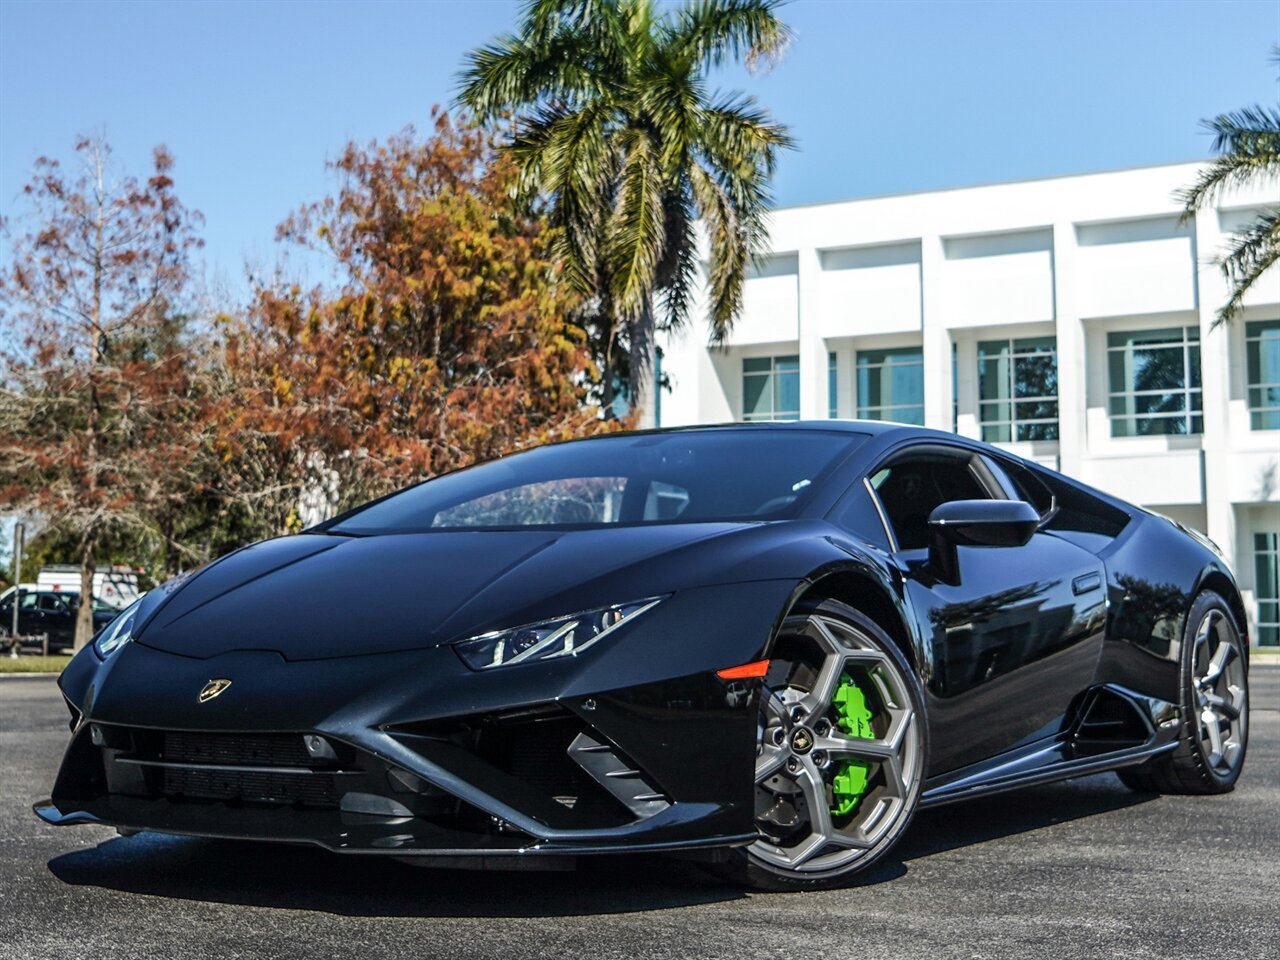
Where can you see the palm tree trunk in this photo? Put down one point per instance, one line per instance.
(642, 381)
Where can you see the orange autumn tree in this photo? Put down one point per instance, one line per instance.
(448, 339)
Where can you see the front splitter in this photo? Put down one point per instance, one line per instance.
(358, 834)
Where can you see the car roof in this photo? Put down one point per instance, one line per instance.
(876, 428)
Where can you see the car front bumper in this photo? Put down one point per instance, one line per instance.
(639, 748)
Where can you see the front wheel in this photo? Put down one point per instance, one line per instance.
(841, 755)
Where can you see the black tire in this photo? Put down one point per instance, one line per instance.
(891, 679)
(1193, 767)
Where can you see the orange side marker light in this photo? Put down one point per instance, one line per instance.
(744, 672)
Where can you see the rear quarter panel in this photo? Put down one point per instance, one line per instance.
(1154, 573)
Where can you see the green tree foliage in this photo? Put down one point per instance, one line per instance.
(1247, 144)
(616, 122)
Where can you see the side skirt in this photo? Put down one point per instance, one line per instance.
(1115, 727)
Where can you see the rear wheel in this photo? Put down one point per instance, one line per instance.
(1214, 708)
(841, 752)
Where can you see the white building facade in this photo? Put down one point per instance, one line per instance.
(1070, 320)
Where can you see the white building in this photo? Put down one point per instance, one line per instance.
(1069, 319)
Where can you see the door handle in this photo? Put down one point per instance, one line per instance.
(1086, 583)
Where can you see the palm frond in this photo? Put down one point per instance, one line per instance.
(635, 235)
(568, 52)
(729, 251)
(678, 272)
(738, 126)
(568, 153)
(670, 101)
(544, 18)
(1249, 255)
(745, 182)
(1248, 146)
(711, 32)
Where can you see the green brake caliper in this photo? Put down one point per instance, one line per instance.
(853, 717)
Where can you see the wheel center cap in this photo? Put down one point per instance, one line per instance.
(802, 740)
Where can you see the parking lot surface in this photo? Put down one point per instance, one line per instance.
(1075, 870)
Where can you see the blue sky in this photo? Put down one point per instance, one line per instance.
(883, 97)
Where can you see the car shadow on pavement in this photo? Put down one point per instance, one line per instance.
(309, 878)
(304, 878)
(983, 819)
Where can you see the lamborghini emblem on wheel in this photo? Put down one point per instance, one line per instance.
(213, 688)
(801, 741)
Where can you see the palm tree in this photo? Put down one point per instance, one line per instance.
(615, 123)
(1247, 143)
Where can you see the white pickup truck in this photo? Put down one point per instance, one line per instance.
(115, 586)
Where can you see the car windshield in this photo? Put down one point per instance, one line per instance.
(692, 476)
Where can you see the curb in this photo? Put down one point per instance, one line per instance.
(29, 676)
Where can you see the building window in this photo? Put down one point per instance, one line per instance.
(1018, 389)
(832, 403)
(1266, 567)
(1154, 382)
(891, 385)
(771, 388)
(1262, 358)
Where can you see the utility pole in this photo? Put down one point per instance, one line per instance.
(18, 533)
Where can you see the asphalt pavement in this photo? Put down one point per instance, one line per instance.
(1075, 870)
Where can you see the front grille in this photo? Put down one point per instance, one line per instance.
(264, 768)
(314, 789)
(253, 750)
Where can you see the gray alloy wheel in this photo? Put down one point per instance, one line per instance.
(1220, 694)
(841, 750)
(1214, 708)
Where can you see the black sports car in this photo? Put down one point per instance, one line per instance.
(766, 643)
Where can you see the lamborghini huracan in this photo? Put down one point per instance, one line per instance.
(760, 645)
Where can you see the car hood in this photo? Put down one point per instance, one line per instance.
(314, 596)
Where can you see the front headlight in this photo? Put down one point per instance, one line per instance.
(116, 633)
(549, 639)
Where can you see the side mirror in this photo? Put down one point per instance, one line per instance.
(976, 523)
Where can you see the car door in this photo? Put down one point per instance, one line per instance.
(57, 619)
(30, 616)
(1014, 631)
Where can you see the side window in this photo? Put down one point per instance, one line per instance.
(1029, 487)
(1081, 517)
(910, 487)
(52, 603)
(28, 601)
(1066, 510)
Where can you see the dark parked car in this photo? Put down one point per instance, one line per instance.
(766, 645)
(49, 612)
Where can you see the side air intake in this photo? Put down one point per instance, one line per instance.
(623, 782)
(1110, 721)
